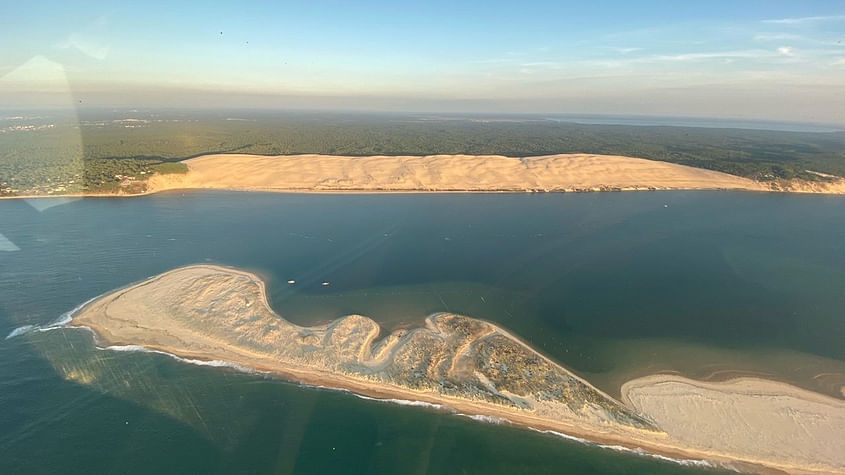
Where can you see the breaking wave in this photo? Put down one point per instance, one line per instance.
(60, 322)
(404, 402)
(486, 419)
(66, 317)
(637, 451)
(213, 363)
(21, 331)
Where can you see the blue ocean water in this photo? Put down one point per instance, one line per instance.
(612, 285)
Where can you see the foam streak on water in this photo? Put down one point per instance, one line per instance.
(641, 452)
(21, 331)
(60, 322)
(212, 363)
(405, 402)
(486, 419)
(499, 420)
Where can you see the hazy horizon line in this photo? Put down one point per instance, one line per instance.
(657, 119)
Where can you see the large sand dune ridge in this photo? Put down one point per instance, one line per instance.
(569, 172)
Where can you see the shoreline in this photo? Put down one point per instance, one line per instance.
(561, 173)
(654, 442)
(332, 382)
(350, 191)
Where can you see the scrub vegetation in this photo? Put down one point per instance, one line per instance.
(102, 151)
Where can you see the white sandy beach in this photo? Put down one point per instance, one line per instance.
(746, 418)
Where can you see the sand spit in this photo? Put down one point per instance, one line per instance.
(476, 368)
(746, 418)
(570, 172)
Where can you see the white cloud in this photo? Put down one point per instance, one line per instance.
(786, 51)
(627, 50)
(777, 37)
(712, 55)
(805, 20)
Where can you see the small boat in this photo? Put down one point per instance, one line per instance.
(291, 282)
(326, 284)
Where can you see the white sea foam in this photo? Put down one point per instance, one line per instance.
(564, 436)
(499, 420)
(486, 419)
(218, 364)
(60, 322)
(637, 451)
(21, 331)
(130, 348)
(327, 388)
(213, 363)
(404, 402)
(64, 318)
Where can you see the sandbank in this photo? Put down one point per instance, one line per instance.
(472, 366)
(754, 419)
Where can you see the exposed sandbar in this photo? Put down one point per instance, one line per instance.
(746, 418)
(477, 368)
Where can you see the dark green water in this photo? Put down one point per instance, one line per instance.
(611, 285)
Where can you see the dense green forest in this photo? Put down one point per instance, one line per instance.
(95, 153)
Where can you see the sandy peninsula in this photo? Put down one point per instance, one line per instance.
(550, 173)
(476, 368)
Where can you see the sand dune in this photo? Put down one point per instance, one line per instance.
(572, 172)
(476, 368)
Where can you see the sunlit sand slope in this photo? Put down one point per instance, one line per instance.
(572, 172)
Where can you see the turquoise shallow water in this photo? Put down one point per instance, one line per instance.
(611, 285)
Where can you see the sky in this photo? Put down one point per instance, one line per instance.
(770, 59)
